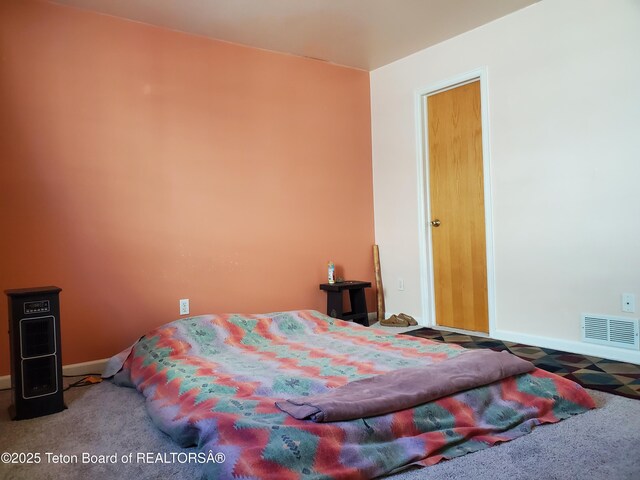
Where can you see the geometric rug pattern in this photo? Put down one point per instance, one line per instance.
(596, 373)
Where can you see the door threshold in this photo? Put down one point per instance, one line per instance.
(461, 331)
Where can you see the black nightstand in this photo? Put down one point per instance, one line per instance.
(335, 309)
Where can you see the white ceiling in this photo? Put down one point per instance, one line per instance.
(364, 34)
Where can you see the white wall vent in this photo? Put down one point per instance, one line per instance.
(612, 331)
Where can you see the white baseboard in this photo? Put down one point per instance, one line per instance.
(602, 351)
(594, 350)
(84, 368)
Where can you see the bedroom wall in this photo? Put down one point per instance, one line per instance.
(141, 165)
(564, 103)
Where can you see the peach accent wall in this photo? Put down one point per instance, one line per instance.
(141, 165)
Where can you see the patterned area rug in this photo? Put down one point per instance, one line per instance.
(591, 372)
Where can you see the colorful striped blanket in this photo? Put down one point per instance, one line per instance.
(212, 381)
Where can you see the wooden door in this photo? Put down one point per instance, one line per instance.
(456, 188)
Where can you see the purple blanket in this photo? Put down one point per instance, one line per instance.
(406, 388)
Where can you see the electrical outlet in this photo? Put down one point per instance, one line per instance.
(401, 284)
(184, 306)
(628, 302)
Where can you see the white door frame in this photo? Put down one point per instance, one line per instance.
(427, 291)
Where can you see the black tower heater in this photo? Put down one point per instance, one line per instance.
(34, 342)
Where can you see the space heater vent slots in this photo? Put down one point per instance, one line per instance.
(611, 331)
(34, 351)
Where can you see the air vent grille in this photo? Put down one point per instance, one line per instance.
(612, 331)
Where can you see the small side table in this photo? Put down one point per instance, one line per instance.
(335, 308)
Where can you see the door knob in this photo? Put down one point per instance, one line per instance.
(435, 223)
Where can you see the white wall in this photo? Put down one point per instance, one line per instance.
(564, 122)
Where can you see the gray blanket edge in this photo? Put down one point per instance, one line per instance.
(407, 387)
